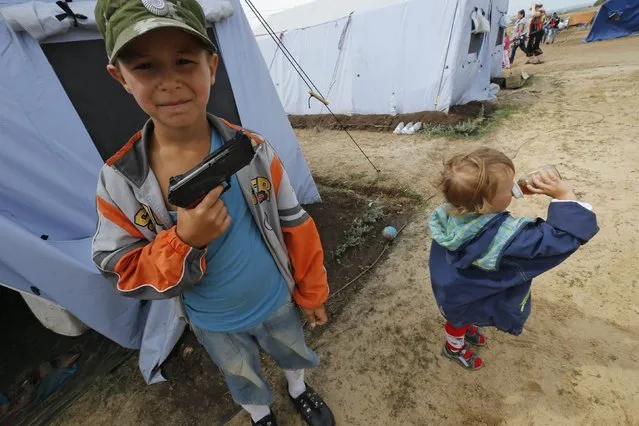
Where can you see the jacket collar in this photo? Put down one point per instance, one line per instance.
(132, 160)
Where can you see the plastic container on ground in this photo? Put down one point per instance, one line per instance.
(53, 316)
(406, 128)
(412, 128)
(416, 127)
(399, 128)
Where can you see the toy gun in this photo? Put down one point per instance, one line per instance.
(188, 189)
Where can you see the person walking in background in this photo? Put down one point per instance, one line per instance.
(553, 26)
(536, 33)
(519, 35)
(545, 28)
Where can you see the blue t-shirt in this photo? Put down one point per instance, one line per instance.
(242, 286)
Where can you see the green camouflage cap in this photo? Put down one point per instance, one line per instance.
(121, 21)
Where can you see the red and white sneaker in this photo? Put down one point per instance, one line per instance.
(474, 336)
(465, 357)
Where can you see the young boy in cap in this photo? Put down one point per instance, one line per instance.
(239, 261)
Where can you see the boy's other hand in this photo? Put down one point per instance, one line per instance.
(316, 316)
(205, 222)
(551, 185)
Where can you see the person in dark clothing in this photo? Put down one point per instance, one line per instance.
(536, 32)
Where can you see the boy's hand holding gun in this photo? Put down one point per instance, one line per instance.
(205, 222)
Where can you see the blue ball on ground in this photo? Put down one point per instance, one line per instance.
(389, 233)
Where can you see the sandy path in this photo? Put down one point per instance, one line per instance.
(577, 361)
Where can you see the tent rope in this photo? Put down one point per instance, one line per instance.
(340, 47)
(305, 78)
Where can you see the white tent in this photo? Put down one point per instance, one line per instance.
(61, 116)
(361, 53)
(499, 18)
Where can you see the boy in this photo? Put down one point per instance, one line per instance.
(236, 261)
(483, 260)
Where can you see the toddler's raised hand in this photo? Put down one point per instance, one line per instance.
(552, 185)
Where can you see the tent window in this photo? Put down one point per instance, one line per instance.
(500, 37)
(476, 41)
(109, 114)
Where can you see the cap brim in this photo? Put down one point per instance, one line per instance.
(151, 24)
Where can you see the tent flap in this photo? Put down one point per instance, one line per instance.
(48, 176)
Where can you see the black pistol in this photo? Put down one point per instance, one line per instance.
(188, 189)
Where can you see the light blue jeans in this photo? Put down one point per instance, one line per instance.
(237, 355)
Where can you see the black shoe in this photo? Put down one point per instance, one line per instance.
(313, 409)
(266, 421)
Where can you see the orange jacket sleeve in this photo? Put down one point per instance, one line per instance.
(142, 266)
(302, 242)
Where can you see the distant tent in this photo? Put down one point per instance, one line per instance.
(499, 22)
(616, 18)
(426, 55)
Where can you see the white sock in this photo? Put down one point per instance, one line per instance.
(257, 412)
(296, 385)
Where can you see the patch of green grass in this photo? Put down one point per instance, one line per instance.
(411, 193)
(473, 127)
(354, 236)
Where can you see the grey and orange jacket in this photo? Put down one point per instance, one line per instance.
(136, 245)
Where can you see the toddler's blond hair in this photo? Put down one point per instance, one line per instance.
(470, 181)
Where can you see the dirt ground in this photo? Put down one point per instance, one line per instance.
(577, 362)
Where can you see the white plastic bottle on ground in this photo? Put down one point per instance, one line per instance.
(414, 128)
(407, 128)
(399, 128)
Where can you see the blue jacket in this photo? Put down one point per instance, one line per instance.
(482, 266)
